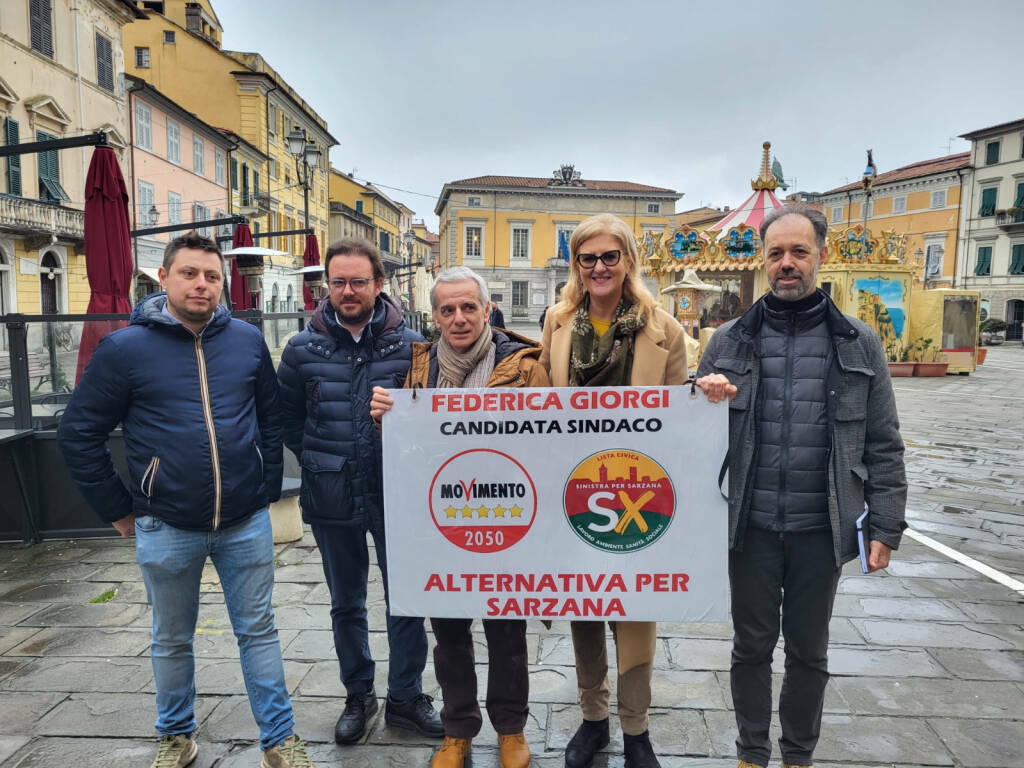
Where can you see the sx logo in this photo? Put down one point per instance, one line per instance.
(615, 522)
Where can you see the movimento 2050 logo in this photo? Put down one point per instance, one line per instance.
(619, 501)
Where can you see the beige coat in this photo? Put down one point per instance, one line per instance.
(659, 356)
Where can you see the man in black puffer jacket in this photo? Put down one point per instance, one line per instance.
(813, 437)
(356, 340)
(196, 395)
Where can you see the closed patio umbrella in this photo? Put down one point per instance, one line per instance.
(108, 251)
(310, 258)
(239, 296)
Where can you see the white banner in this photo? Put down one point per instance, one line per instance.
(559, 503)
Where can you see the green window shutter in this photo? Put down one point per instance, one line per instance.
(234, 173)
(14, 161)
(1019, 201)
(988, 202)
(1017, 260)
(992, 152)
(41, 26)
(255, 182)
(984, 265)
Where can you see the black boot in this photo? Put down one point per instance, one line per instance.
(591, 736)
(416, 714)
(359, 707)
(639, 752)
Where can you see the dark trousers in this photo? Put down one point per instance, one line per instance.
(508, 684)
(797, 573)
(346, 564)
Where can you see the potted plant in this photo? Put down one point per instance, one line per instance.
(992, 331)
(926, 358)
(900, 363)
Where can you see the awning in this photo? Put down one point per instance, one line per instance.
(149, 272)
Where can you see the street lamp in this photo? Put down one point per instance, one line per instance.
(409, 238)
(154, 216)
(307, 158)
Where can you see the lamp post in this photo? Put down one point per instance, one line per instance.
(307, 157)
(409, 238)
(153, 215)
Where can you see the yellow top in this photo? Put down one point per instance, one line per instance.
(600, 326)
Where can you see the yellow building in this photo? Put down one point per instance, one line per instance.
(61, 73)
(178, 50)
(515, 230)
(384, 213)
(920, 200)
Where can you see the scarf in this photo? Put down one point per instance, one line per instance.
(604, 361)
(471, 368)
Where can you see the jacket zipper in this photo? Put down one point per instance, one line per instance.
(787, 422)
(150, 475)
(204, 390)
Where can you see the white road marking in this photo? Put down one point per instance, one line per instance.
(970, 562)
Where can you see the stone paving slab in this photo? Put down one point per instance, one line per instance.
(9, 745)
(64, 641)
(103, 753)
(20, 711)
(93, 675)
(930, 634)
(983, 743)
(882, 662)
(87, 615)
(15, 613)
(119, 715)
(931, 698)
(988, 665)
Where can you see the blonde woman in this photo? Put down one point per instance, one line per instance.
(608, 330)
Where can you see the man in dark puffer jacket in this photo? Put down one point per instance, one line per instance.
(813, 436)
(356, 340)
(196, 395)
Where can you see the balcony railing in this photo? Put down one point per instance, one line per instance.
(25, 216)
(1011, 219)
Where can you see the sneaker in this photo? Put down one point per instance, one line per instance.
(416, 714)
(175, 751)
(359, 708)
(513, 750)
(291, 753)
(452, 754)
(591, 736)
(639, 752)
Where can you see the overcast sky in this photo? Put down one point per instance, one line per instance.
(674, 94)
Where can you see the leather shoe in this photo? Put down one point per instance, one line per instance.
(591, 736)
(746, 764)
(452, 754)
(639, 752)
(794, 765)
(513, 749)
(359, 708)
(416, 714)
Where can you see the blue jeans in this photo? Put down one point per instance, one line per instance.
(172, 563)
(346, 561)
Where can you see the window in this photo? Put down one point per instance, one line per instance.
(48, 164)
(474, 243)
(198, 156)
(143, 126)
(519, 291)
(473, 202)
(218, 165)
(939, 198)
(563, 236)
(1018, 203)
(899, 204)
(245, 184)
(521, 243)
(984, 265)
(933, 261)
(201, 213)
(988, 202)
(141, 57)
(173, 208)
(223, 230)
(272, 124)
(50, 283)
(14, 161)
(359, 206)
(146, 199)
(868, 209)
(174, 142)
(40, 14)
(837, 214)
(654, 207)
(234, 173)
(255, 183)
(385, 241)
(169, 37)
(1017, 259)
(104, 63)
(992, 152)
(272, 170)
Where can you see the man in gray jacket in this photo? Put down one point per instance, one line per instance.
(813, 436)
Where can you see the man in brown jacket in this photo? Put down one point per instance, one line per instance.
(471, 354)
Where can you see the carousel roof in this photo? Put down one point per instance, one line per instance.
(759, 204)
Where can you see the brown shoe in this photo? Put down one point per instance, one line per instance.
(291, 753)
(514, 751)
(745, 764)
(452, 754)
(790, 765)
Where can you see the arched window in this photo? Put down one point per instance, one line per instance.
(290, 304)
(274, 298)
(51, 275)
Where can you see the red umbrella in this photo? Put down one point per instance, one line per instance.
(311, 258)
(108, 250)
(239, 296)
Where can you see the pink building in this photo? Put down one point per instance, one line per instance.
(178, 173)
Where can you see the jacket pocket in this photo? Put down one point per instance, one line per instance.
(148, 482)
(326, 492)
(739, 373)
(853, 400)
(259, 455)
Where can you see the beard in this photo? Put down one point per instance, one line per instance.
(182, 312)
(354, 314)
(795, 291)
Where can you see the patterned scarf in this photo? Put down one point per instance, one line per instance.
(470, 369)
(604, 361)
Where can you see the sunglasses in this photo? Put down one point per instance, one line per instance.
(589, 260)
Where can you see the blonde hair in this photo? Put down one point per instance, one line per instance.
(633, 289)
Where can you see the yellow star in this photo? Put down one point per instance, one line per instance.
(499, 511)
(467, 512)
(450, 512)
(516, 511)
(482, 511)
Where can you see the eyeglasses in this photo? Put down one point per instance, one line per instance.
(589, 260)
(357, 284)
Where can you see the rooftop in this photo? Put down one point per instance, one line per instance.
(913, 171)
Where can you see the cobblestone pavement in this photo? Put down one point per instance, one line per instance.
(927, 658)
